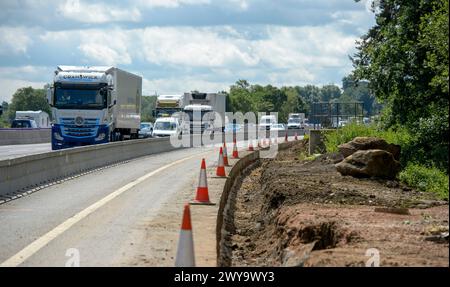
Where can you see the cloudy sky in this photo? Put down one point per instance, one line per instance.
(182, 45)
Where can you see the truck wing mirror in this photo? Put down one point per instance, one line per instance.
(113, 104)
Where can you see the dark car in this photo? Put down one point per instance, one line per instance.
(23, 124)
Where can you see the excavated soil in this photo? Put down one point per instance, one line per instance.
(294, 212)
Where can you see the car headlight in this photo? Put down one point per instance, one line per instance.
(100, 137)
(57, 136)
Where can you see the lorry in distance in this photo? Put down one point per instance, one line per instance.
(204, 113)
(40, 118)
(167, 105)
(94, 105)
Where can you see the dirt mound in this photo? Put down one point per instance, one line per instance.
(292, 212)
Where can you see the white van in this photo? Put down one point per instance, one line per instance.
(165, 127)
(265, 122)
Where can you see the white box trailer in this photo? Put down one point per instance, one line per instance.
(92, 105)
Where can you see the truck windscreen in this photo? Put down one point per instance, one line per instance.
(198, 114)
(74, 98)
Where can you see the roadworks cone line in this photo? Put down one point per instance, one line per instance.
(185, 252)
(220, 165)
(202, 196)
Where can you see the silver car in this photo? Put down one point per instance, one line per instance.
(146, 130)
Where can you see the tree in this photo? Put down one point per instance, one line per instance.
(147, 106)
(359, 91)
(25, 99)
(405, 59)
(240, 98)
(329, 92)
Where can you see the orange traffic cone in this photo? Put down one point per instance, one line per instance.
(225, 155)
(185, 252)
(220, 165)
(250, 146)
(235, 151)
(295, 137)
(286, 137)
(202, 189)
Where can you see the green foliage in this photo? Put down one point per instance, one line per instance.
(4, 123)
(244, 97)
(28, 99)
(147, 106)
(405, 59)
(397, 135)
(425, 178)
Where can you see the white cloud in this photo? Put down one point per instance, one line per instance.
(169, 3)
(14, 40)
(97, 13)
(13, 78)
(196, 47)
(178, 85)
(10, 86)
(306, 47)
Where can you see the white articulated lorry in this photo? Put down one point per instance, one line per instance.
(92, 105)
(204, 112)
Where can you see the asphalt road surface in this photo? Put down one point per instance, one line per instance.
(99, 215)
(12, 151)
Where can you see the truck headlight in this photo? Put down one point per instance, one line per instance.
(57, 136)
(100, 137)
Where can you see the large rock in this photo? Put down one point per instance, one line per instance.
(370, 163)
(366, 143)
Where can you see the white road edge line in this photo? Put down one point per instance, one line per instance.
(36, 245)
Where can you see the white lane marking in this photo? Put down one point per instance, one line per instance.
(36, 245)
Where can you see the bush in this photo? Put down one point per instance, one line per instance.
(425, 179)
(347, 133)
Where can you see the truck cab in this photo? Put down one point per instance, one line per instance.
(93, 105)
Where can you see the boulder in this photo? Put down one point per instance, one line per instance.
(370, 163)
(366, 143)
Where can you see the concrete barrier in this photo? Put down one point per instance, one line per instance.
(24, 136)
(20, 174)
(225, 215)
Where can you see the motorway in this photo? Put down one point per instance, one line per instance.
(102, 214)
(12, 151)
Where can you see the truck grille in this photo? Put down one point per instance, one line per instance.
(89, 128)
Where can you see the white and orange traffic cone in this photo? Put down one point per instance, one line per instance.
(235, 151)
(225, 155)
(250, 145)
(220, 171)
(295, 137)
(185, 252)
(202, 196)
